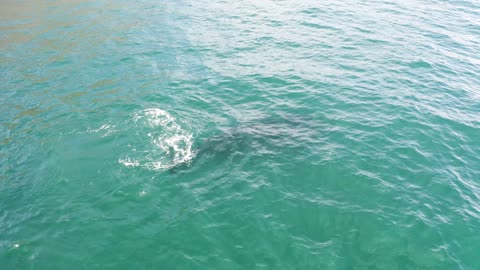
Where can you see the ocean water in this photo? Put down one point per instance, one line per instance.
(240, 134)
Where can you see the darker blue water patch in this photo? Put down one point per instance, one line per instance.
(318, 26)
(420, 64)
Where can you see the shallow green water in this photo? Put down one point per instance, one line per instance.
(239, 134)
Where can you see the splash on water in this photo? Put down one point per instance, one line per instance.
(164, 142)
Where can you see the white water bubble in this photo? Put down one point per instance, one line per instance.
(161, 141)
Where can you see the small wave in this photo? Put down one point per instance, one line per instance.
(161, 141)
(106, 129)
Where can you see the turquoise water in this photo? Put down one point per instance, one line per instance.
(240, 134)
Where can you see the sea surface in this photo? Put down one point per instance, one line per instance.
(240, 134)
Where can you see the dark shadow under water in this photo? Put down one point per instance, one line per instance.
(248, 138)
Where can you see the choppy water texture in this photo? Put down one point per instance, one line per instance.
(240, 134)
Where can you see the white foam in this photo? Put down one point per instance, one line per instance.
(128, 162)
(168, 142)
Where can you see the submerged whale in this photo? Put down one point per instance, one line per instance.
(244, 139)
(172, 146)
